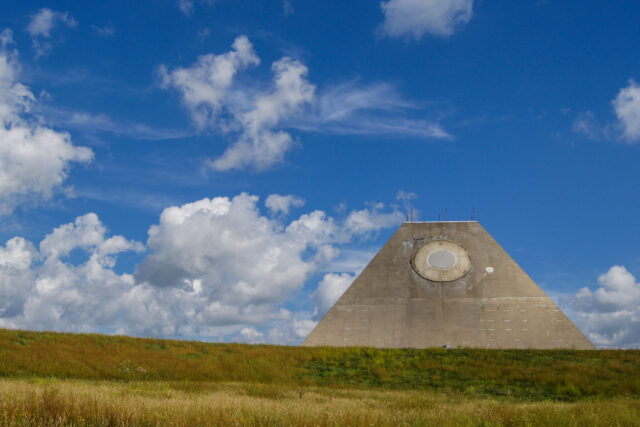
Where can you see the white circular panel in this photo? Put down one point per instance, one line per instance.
(441, 261)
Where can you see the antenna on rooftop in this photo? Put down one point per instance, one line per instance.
(446, 214)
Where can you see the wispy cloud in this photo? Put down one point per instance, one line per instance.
(131, 198)
(106, 31)
(353, 109)
(203, 34)
(586, 124)
(186, 6)
(101, 123)
(287, 7)
(414, 18)
(42, 24)
(371, 125)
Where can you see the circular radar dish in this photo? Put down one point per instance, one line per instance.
(441, 261)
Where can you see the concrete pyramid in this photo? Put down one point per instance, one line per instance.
(445, 284)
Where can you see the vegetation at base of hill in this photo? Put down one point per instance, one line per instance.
(508, 375)
(52, 402)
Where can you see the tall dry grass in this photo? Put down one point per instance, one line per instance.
(112, 403)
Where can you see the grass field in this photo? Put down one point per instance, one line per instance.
(66, 379)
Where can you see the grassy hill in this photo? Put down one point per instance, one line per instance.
(510, 375)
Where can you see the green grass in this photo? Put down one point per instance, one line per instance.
(507, 375)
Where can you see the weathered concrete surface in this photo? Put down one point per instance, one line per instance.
(494, 305)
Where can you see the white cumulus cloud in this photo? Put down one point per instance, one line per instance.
(52, 292)
(250, 335)
(86, 232)
(205, 84)
(329, 290)
(239, 256)
(414, 18)
(279, 204)
(627, 108)
(208, 91)
(291, 332)
(34, 159)
(215, 268)
(610, 314)
(260, 145)
(15, 275)
(369, 220)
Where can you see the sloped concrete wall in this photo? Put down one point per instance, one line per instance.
(495, 305)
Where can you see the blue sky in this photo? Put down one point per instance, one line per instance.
(222, 170)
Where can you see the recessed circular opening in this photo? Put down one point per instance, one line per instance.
(442, 260)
